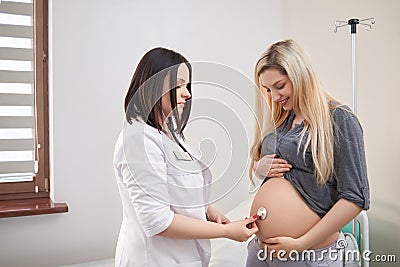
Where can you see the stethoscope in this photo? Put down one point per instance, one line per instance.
(262, 213)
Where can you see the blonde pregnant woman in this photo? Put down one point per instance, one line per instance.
(312, 162)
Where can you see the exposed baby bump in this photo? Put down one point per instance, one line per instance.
(288, 214)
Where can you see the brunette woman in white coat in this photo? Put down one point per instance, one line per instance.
(163, 185)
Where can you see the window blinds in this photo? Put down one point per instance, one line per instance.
(17, 102)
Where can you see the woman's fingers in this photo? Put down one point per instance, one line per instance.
(279, 161)
(241, 230)
(271, 166)
(272, 240)
(279, 170)
(253, 229)
(225, 220)
(251, 225)
(280, 165)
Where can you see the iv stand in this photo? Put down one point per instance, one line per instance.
(367, 23)
(353, 29)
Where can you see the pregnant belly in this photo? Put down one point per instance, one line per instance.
(288, 214)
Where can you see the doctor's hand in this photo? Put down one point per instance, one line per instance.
(241, 230)
(215, 216)
(271, 166)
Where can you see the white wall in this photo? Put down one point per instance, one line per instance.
(310, 22)
(95, 46)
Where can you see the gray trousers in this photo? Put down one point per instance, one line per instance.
(331, 256)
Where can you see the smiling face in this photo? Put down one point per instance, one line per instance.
(278, 87)
(182, 93)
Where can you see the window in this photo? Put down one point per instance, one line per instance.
(24, 142)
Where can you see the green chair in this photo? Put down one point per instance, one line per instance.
(349, 229)
(361, 234)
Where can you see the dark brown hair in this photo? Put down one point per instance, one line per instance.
(143, 98)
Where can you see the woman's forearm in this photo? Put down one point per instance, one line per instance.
(337, 217)
(183, 227)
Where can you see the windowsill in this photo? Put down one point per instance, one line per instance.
(30, 206)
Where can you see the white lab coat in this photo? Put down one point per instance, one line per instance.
(154, 184)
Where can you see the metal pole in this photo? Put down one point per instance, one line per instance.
(353, 29)
(353, 26)
(354, 68)
(354, 71)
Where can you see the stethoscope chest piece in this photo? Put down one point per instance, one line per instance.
(262, 213)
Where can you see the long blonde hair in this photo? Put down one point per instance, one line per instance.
(312, 101)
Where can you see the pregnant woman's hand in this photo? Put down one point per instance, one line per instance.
(282, 246)
(271, 166)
